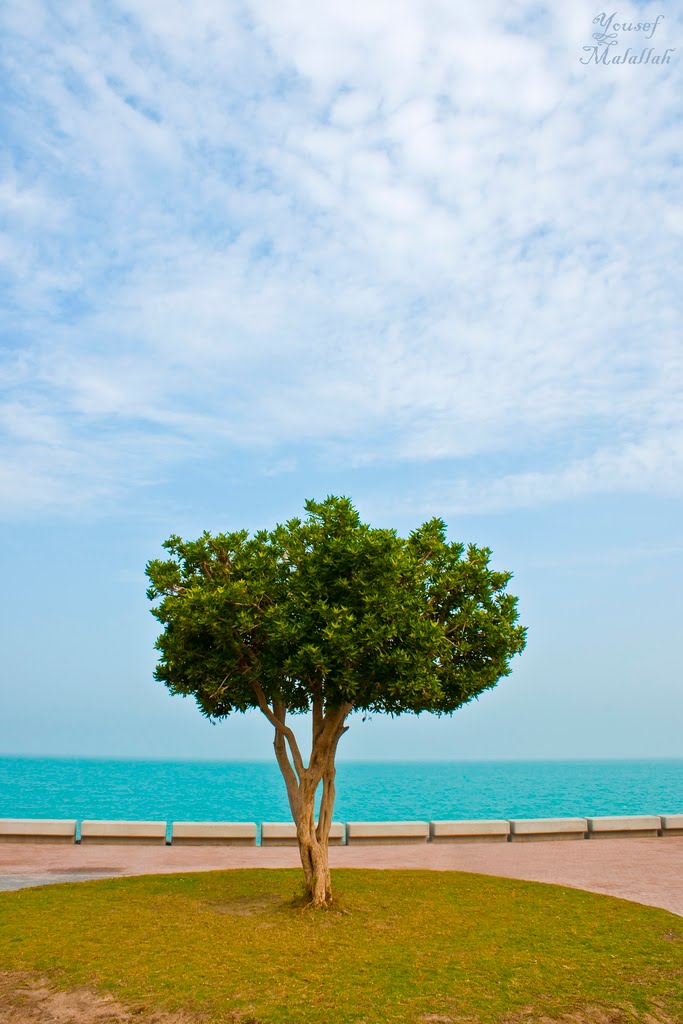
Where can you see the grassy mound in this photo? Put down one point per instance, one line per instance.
(402, 946)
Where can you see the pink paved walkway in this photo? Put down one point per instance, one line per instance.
(643, 870)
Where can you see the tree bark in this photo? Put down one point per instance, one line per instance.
(302, 783)
(313, 850)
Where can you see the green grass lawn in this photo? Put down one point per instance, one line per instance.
(401, 946)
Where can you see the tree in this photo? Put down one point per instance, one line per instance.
(329, 615)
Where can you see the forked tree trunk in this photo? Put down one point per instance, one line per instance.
(314, 838)
(302, 783)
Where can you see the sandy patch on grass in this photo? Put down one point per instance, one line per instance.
(581, 1015)
(590, 1015)
(28, 999)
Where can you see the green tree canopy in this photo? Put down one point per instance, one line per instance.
(329, 615)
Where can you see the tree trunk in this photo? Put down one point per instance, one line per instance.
(314, 839)
(313, 850)
(302, 783)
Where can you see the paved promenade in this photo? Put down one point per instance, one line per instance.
(646, 871)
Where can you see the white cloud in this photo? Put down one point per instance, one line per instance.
(393, 232)
(634, 469)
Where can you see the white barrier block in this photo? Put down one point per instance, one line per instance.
(283, 833)
(469, 831)
(37, 830)
(213, 833)
(384, 832)
(148, 833)
(637, 826)
(672, 824)
(538, 829)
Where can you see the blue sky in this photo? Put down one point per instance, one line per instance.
(256, 252)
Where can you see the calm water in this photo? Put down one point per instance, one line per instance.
(254, 791)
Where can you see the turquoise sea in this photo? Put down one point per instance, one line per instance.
(254, 791)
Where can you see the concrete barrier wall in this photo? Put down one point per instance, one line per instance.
(672, 824)
(213, 833)
(36, 830)
(534, 829)
(380, 832)
(624, 827)
(147, 833)
(357, 833)
(469, 831)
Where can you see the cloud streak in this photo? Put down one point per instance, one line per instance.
(399, 234)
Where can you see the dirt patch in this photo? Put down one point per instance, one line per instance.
(246, 906)
(581, 1015)
(590, 1015)
(28, 999)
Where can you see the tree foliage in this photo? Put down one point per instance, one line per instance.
(332, 605)
(329, 615)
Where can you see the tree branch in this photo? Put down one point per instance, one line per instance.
(279, 725)
(327, 801)
(293, 789)
(327, 740)
(317, 711)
